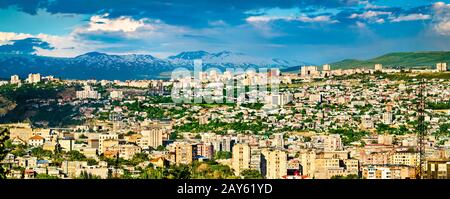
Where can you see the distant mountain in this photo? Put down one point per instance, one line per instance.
(226, 59)
(397, 60)
(96, 65)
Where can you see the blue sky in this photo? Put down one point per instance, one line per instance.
(316, 31)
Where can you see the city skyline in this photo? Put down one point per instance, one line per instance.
(310, 31)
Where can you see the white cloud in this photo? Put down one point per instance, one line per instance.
(441, 18)
(125, 24)
(7, 37)
(380, 21)
(369, 14)
(303, 18)
(411, 17)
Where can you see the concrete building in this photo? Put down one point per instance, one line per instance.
(378, 67)
(103, 137)
(388, 118)
(117, 95)
(441, 67)
(274, 164)
(88, 93)
(33, 78)
(309, 71)
(15, 79)
(240, 158)
(185, 153)
(151, 138)
(437, 169)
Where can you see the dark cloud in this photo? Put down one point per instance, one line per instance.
(195, 13)
(24, 46)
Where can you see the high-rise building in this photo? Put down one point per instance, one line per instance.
(255, 158)
(206, 150)
(378, 67)
(440, 67)
(34, 78)
(152, 138)
(185, 153)
(15, 79)
(333, 143)
(275, 164)
(278, 140)
(387, 118)
(240, 158)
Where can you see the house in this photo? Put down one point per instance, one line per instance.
(36, 141)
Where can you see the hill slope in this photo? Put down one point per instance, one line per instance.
(395, 60)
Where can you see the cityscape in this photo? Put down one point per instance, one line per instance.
(216, 89)
(321, 124)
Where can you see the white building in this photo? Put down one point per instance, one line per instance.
(440, 67)
(116, 95)
(378, 67)
(34, 78)
(88, 93)
(15, 79)
(387, 118)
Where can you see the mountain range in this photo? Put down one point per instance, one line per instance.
(425, 59)
(96, 65)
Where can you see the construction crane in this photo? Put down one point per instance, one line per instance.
(421, 129)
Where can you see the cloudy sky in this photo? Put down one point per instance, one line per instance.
(316, 31)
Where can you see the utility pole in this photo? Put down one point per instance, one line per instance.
(421, 129)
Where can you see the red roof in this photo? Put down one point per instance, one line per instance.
(36, 137)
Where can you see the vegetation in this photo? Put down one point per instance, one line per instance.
(251, 174)
(196, 170)
(221, 127)
(401, 59)
(52, 113)
(45, 176)
(86, 175)
(349, 135)
(4, 135)
(222, 155)
(439, 105)
(351, 176)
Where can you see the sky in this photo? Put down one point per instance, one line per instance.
(314, 31)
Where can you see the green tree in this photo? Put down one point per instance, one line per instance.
(45, 176)
(76, 156)
(222, 155)
(4, 135)
(91, 161)
(251, 174)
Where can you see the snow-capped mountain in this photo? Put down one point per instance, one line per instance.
(104, 66)
(227, 59)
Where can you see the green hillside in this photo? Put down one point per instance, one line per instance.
(395, 60)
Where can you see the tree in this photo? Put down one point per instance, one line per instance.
(350, 176)
(76, 156)
(91, 161)
(45, 176)
(86, 175)
(251, 174)
(138, 158)
(4, 135)
(160, 148)
(222, 155)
